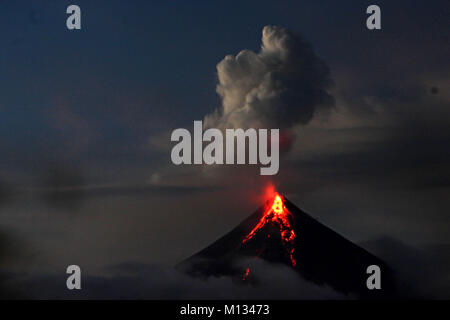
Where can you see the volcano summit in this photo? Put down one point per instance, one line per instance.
(280, 233)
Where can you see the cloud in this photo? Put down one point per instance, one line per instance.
(144, 281)
(423, 271)
(11, 252)
(281, 86)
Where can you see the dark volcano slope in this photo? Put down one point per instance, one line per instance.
(322, 256)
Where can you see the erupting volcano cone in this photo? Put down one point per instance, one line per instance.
(279, 232)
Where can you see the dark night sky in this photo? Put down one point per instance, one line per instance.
(89, 112)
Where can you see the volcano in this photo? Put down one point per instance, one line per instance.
(281, 233)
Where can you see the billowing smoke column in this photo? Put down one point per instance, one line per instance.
(279, 87)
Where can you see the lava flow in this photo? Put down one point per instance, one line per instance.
(278, 214)
(245, 276)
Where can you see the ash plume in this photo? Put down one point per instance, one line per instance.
(281, 86)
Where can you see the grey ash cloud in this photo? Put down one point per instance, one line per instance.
(280, 86)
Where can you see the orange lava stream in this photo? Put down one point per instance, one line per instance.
(278, 214)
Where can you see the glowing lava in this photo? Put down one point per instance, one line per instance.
(247, 272)
(279, 215)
